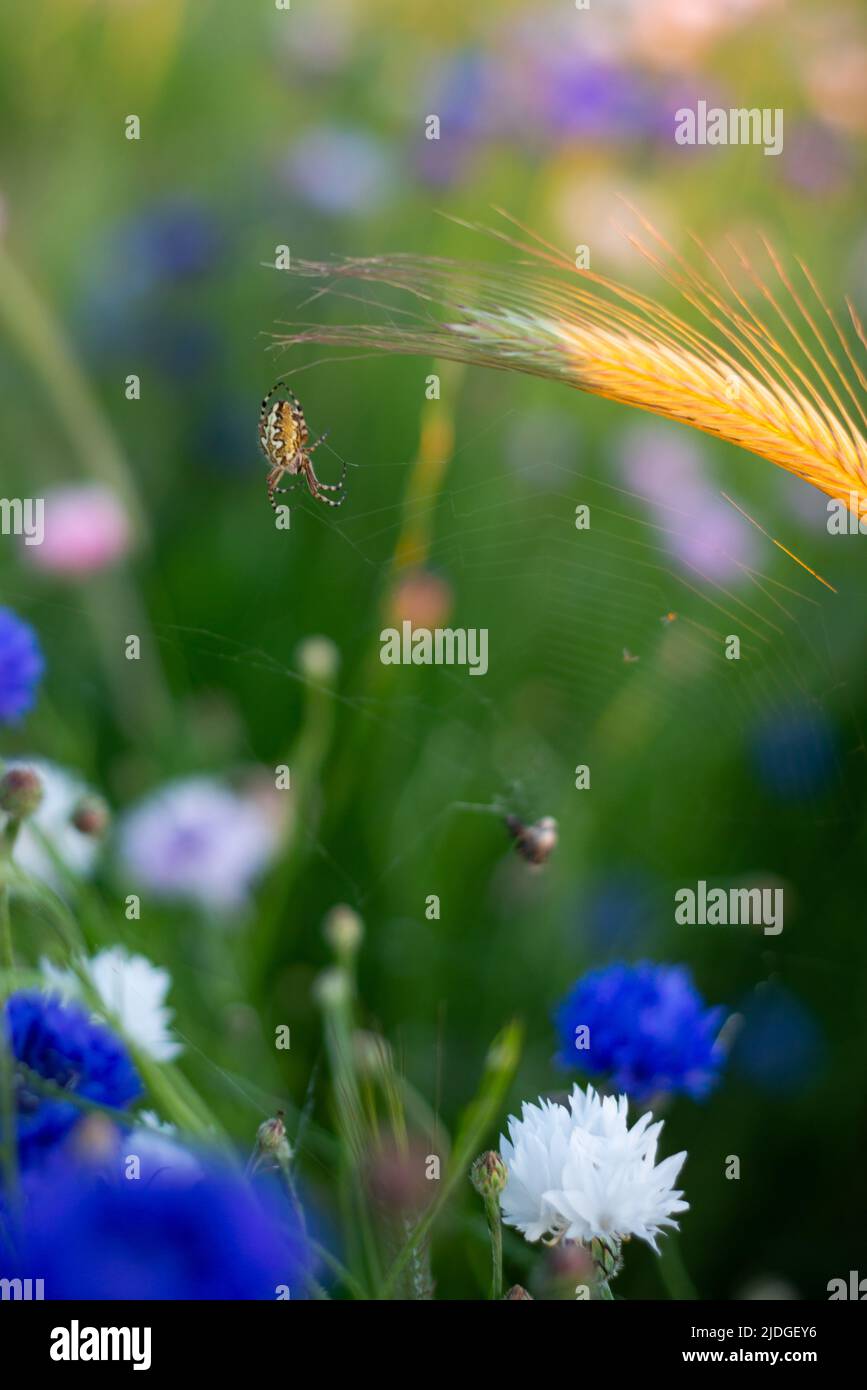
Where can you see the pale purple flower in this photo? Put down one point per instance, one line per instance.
(461, 94)
(198, 841)
(662, 464)
(703, 533)
(713, 542)
(566, 82)
(816, 160)
(598, 101)
(339, 170)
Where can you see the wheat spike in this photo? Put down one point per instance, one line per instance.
(731, 378)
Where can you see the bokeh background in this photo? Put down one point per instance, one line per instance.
(262, 128)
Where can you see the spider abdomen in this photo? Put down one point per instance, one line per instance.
(284, 433)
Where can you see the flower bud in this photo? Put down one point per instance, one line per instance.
(488, 1174)
(516, 1292)
(91, 816)
(535, 843)
(20, 792)
(331, 988)
(319, 659)
(344, 931)
(271, 1139)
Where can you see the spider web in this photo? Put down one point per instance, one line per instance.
(612, 647)
(428, 761)
(445, 757)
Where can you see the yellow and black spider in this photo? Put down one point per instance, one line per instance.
(284, 438)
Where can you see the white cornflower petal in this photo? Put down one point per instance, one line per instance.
(61, 983)
(595, 1114)
(613, 1193)
(132, 991)
(149, 1119)
(534, 1155)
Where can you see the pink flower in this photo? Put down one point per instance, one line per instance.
(86, 528)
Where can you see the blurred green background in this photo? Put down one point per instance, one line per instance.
(262, 128)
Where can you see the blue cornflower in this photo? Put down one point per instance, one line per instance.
(93, 1235)
(174, 239)
(781, 1047)
(59, 1042)
(795, 752)
(21, 666)
(648, 1030)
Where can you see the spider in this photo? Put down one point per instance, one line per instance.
(284, 438)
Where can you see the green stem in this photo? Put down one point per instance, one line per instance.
(305, 760)
(495, 1226)
(502, 1062)
(165, 1085)
(7, 955)
(352, 1285)
(139, 689)
(42, 343)
(337, 1007)
(285, 1166)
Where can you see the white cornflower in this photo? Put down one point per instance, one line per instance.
(62, 792)
(581, 1173)
(133, 992)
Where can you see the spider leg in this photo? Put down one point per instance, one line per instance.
(320, 440)
(290, 395)
(273, 479)
(316, 487)
(331, 487)
(270, 396)
(330, 501)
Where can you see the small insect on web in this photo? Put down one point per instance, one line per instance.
(285, 442)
